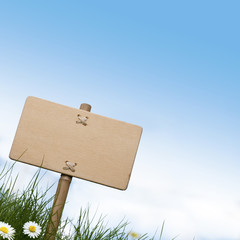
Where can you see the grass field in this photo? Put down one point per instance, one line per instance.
(30, 209)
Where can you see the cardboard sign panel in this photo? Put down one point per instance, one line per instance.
(76, 142)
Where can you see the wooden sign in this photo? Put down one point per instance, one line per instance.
(76, 143)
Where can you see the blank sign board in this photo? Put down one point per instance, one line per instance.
(76, 142)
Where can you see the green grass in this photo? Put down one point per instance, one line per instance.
(31, 204)
(17, 208)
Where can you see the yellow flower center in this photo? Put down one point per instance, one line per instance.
(32, 228)
(134, 235)
(4, 229)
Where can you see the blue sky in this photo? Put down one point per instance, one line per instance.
(171, 67)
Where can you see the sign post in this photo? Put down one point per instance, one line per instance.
(75, 143)
(60, 197)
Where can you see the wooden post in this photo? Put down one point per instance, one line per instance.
(60, 197)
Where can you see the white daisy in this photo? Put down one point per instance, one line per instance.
(31, 229)
(6, 231)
